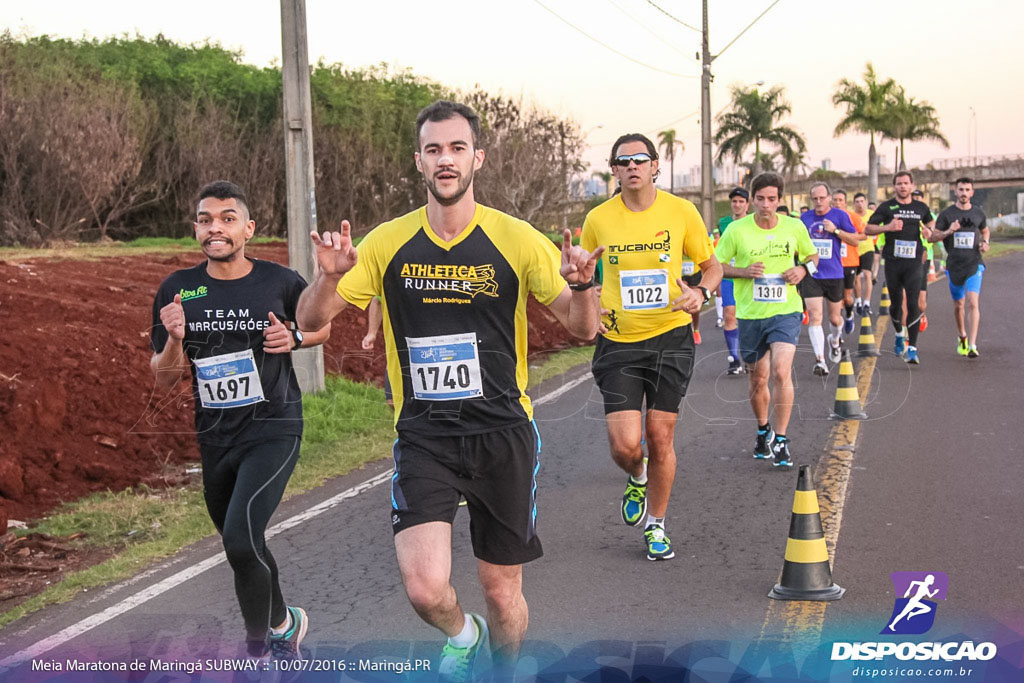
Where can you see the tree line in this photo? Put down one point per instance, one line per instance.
(111, 139)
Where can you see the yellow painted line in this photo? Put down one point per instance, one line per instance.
(805, 503)
(799, 622)
(806, 552)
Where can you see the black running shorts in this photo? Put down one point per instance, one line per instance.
(658, 368)
(849, 275)
(831, 288)
(495, 472)
(867, 261)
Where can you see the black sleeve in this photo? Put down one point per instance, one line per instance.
(942, 222)
(294, 289)
(879, 217)
(981, 224)
(158, 333)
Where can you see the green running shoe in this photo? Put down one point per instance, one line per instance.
(658, 545)
(286, 645)
(961, 346)
(634, 503)
(456, 665)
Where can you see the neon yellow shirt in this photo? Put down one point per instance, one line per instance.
(644, 256)
(769, 295)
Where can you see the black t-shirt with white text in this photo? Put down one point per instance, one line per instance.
(913, 215)
(224, 317)
(963, 246)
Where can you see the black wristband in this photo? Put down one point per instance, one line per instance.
(576, 287)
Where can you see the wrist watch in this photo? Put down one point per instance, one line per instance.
(581, 286)
(810, 267)
(705, 292)
(297, 336)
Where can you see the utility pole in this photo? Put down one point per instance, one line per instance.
(707, 188)
(565, 178)
(298, 148)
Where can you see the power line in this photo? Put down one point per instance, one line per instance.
(609, 47)
(644, 27)
(654, 130)
(675, 19)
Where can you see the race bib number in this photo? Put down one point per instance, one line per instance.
(963, 240)
(842, 250)
(643, 289)
(689, 268)
(445, 368)
(824, 248)
(771, 289)
(228, 381)
(905, 249)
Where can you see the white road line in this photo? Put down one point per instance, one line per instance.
(147, 594)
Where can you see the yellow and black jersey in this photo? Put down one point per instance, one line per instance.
(646, 251)
(455, 316)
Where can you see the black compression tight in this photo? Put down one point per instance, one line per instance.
(904, 275)
(243, 485)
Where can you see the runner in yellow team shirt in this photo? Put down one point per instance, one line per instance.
(647, 351)
(766, 246)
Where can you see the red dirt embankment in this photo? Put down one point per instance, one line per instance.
(78, 410)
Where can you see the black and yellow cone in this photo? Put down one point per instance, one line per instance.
(847, 405)
(885, 303)
(866, 346)
(806, 574)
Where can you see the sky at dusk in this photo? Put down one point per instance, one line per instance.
(643, 74)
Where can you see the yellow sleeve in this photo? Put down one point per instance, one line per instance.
(804, 247)
(543, 277)
(696, 244)
(359, 285)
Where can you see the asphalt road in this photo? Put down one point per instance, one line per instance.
(934, 485)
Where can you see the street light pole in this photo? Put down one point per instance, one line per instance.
(707, 190)
(298, 148)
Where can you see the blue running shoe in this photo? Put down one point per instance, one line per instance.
(901, 344)
(456, 663)
(780, 451)
(634, 503)
(658, 545)
(848, 324)
(762, 446)
(912, 355)
(286, 645)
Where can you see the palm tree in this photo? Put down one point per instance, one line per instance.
(606, 176)
(867, 109)
(911, 120)
(667, 141)
(754, 118)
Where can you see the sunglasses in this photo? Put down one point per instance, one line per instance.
(638, 159)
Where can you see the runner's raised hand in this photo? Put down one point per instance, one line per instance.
(335, 254)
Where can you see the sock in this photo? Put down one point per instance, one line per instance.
(898, 328)
(642, 479)
(780, 437)
(849, 310)
(765, 428)
(654, 521)
(467, 636)
(287, 624)
(817, 340)
(719, 307)
(835, 332)
(732, 342)
(857, 303)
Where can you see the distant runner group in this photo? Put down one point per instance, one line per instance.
(449, 283)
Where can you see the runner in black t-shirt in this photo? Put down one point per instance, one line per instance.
(905, 222)
(965, 235)
(223, 321)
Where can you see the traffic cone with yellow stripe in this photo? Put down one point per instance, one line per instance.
(885, 303)
(806, 574)
(866, 346)
(847, 405)
(932, 277)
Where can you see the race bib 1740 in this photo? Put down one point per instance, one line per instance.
(770, 289)
(445, 368)
(905, 249)
(643, 289)
(228, 381)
